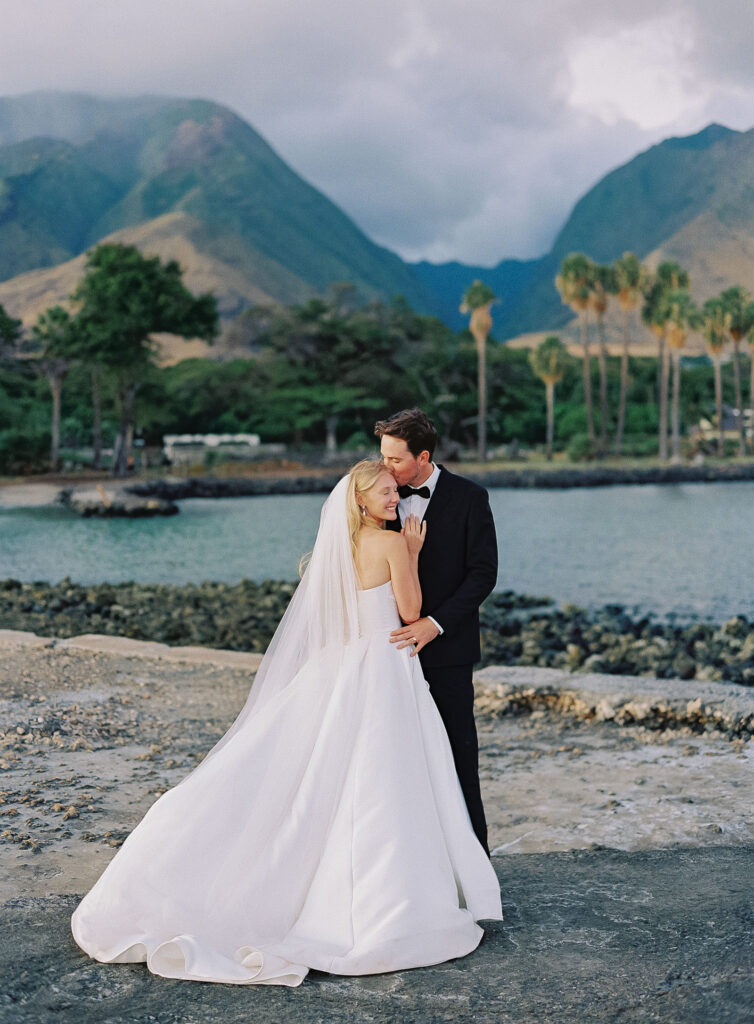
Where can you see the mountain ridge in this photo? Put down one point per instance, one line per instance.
(183, 156)
(190, 177)
(636, 207)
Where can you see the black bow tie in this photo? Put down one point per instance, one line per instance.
(405, 491)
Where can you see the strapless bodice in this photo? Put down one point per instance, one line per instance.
(378, 612)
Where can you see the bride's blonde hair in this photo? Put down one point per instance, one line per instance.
(361, 477)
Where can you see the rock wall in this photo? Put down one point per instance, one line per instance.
(624, 701)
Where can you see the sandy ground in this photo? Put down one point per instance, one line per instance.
(92, 733)
(636, 907)
(549, 786)
(28, 495)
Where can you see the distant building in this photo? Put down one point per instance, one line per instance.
(191, 448)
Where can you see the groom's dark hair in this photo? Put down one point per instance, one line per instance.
(414, 427)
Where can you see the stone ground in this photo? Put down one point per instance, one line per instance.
(625, 854)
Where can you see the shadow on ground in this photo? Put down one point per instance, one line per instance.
(589, 936)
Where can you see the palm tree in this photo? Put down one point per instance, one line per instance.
(629, 279)
(653, 316)
(741, 309)
(669, 277)
(716, 325)
(56, 332)
(574, 283)
(477, 301)
(681, 316)
(603, 284)
(549, 361)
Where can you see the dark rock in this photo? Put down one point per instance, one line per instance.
(115, 502)
(737, 626)
(683, 666)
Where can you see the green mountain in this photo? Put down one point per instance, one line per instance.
(189, 180)
(654, 206)
(75, 169)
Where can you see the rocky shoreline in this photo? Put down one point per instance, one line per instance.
(517, 629)
(239, 617)
(610, 641)
(607, 476)
(177, 488)
(596, 698)
(139, 498)
(114, 502)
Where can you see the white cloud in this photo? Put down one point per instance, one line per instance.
(445, 129)
(642, 73)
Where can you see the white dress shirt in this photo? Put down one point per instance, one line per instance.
(414, 505)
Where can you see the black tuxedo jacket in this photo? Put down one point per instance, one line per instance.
(457, 568)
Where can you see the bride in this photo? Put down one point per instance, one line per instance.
(327, 828)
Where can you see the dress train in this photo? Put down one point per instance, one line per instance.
(328, 832)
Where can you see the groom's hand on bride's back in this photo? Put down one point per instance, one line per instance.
(417, 635)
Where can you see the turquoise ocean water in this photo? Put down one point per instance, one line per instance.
(675, 549)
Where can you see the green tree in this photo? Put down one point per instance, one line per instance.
(738, 303)
(549, 360)
(715, 327)
(681, 316)
(24, 418)
(574, 284)
(124, 298)
(292, 408)
(56, 334)
(10, 333)
(350, 355)
(441, 371)
(629, 280)
(477, 302)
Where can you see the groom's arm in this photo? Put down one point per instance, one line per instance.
(480, 568)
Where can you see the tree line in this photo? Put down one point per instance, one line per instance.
(123, 298)
(322, 371)
(669, 311)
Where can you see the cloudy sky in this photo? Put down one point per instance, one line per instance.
(448, 129)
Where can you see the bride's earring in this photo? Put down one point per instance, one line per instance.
(363, 510)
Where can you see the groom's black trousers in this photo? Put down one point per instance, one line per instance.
(452, 690)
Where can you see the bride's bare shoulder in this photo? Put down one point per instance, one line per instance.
(380, 541)
(389, 539)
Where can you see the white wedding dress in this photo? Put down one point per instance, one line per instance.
(327, 830)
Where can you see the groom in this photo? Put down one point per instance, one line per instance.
(457, 570)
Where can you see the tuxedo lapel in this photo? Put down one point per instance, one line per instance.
(440, 498)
